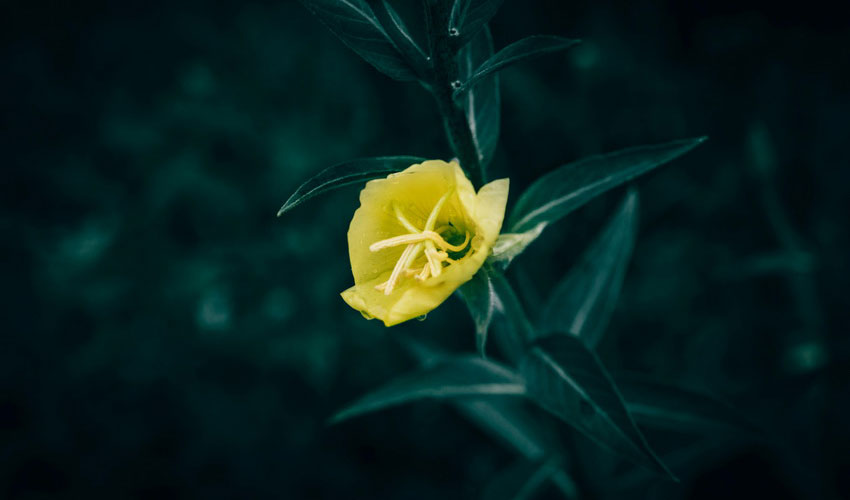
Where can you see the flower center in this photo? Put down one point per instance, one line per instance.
(428, 241)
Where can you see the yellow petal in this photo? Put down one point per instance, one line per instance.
(490, 209)
(414, 192)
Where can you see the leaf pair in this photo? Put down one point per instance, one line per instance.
(562, 376)
(389, 49)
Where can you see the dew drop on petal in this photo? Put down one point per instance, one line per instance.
(422, 318)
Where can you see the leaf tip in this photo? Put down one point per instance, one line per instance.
(289, 204)
(285, 208)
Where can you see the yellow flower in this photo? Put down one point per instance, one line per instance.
(418, 235)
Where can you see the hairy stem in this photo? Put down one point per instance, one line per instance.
(445, 74)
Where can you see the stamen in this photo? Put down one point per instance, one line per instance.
(423, 275)
(406, 239)
(432, 218)
(433, 265)
(397, 270)
(415, 253)
(404, 222)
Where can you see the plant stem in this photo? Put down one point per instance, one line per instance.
(445, 73)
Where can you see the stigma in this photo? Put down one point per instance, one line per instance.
(428, 242)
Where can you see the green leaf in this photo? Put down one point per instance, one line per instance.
(349, 172)
(469, 16)
(490, 296)
(561, 191)
(568, 380)
(481, 299)
(462, 377)
(354, 22)
(400, 35)
(512, 314)
(481, 105)
(662, 405)
(523, 50)
(582, 303)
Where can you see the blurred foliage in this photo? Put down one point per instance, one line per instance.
(166, 335)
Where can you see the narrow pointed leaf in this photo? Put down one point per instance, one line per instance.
(481, 104)
(343, 174)
(354, 22)
(463, 377)
(492, 301)
(582, 303)
(512, 321)
(563, 190)
(662, 405)
(523, 50)
(567, 379)
(469, 16)
(401, 37)
(481, 299)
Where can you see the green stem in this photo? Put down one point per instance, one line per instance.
(445, 73)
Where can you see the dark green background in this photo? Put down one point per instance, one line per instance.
(164, 335)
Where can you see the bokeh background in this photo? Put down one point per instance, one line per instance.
(165, 335)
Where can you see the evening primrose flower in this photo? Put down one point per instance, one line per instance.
(418, 235)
